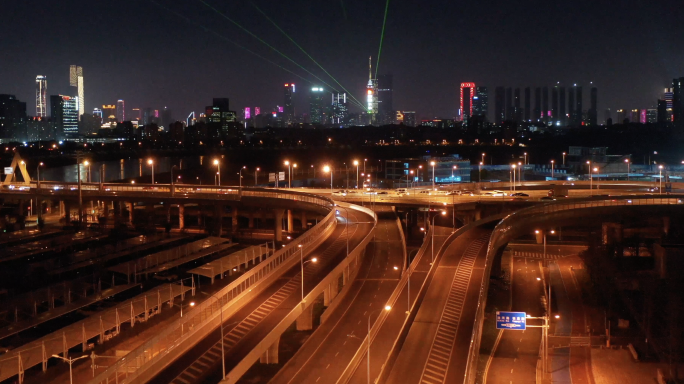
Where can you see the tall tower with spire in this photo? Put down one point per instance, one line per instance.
(371, 95)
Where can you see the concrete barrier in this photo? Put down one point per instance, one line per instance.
(241, 367)
(633, 352)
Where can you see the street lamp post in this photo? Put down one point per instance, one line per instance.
(151, 163)
(591, 177)
(70, 361)
(364, 165)
(525, 158)
(432, 241)
(356, 162)
(552, 164)
(627, 161)
(289, 174)
(256, 177)
(514, 166)
(218, 164)
(660, 177)
(564, 158)
(173, 188)
(479, 179)
(483, 155)
(433, 175)
(38, 174)
(387, 308)
(327, 169)
(240, 174)
(346, 226)
(301, 262)
(597, 178)
(192, 304)
(455, 167)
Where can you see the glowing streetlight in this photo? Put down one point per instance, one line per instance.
(301, 262)
(356, 162)
(552, 164)
(151, 163)
(256, 177)
(660, 177)
(327, 169)
(432, 163)
(628, 164)
(217, 163)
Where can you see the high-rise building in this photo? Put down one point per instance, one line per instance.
(41, 96)
(109, 113)
(135, 115)
(218, 116)
(409, 118)
(481, 102)
(510, 113)
(635, 116)
(555, 113)
(340, 109)
(537, 104)
(579, 112)
(562, 117)
(528, 104)
(247, 113)
(571, 106)
(466, 106)
(663, 114)
(166, 117)
(289, 109)
(384, 92)
(593, 106)
(651, 116)
(120, 111)
(97, 112)
(12, 118)
(76, 81)
(517, 115)
(499, 105)
(371, 96)
(622, 117)
(64, 112)
(667, 96)
(545, 104)
(317, 105)
(678, 102)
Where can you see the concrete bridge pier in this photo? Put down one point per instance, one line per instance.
(218, 220)
(305, 321)
(290, 225)
(271, 354)
(278, 225)
(304, 226)
(181, 216)
(250, 220)
(66, 207)
(130, 206)
(611, 233)
(234, 219)
(330, 292)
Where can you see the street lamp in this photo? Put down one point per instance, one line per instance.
(660, 177)
(301, 261)
(327, 169)
(564, 158)
(433, 236)
(552, 163)
(483, 155)
(240, 174)
(525, 158)
(256, 177)
(364, 165)
(38, 174)
(387, 308)
(627, 161)
(87, 164)
(70, 361)
(591, 177)
(544, 235)
(356, 162)
(433, 175)
(289, 174)
(479, 179)
(151, 163)
(346, 226)
(455, 167)
(597, 178)
(218, 164)
(513, 166)
(192, 304)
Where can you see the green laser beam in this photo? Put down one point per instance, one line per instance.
(264, 42)
(382, 35)
(304, 51)
(230, 41)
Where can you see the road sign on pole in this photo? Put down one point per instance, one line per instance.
(511, 320)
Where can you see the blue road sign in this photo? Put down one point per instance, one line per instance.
(511, 320)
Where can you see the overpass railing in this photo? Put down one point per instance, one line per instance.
(183, 333)
(503, 232)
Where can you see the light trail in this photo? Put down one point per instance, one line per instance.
(382, 36)
(229, 40)
(306, 53)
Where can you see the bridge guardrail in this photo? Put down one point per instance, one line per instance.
(236, 373)
(506, 226)
(203, 318)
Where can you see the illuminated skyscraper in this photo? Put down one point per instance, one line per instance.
(528, 104)
(481, 102)
(499, 105)
(97, 112)
(288, 109)
(120, 111)
(593, 109)
(466, 106)
(76, 81)
(537, 104)
(339, 109)
(371, 95)
(64, 111)
(316, 106)
(678, 102)
(386, 113)
(41, 96)
(137, 116)
(109, 113)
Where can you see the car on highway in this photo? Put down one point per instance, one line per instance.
(383, 193)
(520, 194)
(547, 198)
(340, 193)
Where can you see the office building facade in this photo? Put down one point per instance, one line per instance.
(288, 107)
(317, 105)
(64, 113)
(481, 102)
(466, 106)
(41, 96)
(385, 95)
(76, 81)
(120, 111)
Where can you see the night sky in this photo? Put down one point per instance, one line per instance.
(141, 52)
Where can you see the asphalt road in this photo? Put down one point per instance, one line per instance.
(516, 356)
(436, 348)
(327, 352)
(243, 330)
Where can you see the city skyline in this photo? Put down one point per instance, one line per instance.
(431, 91)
